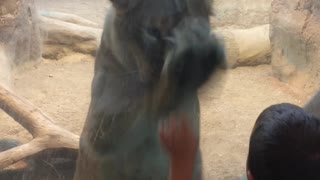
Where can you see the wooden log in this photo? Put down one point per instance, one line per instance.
(46, 135)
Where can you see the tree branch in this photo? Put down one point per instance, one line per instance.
(45, 133)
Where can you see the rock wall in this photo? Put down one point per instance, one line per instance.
(295, 38)
(19, 30)
(19, 35)
(241, 13)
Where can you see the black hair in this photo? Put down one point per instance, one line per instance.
(285, 145)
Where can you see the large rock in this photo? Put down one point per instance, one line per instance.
(296, 42)
(241, 13)
(19, 36)
(19, 31)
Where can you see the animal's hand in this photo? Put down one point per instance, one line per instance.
(194, 55)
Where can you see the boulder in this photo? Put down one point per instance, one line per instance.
(19, 36)
(295, 40)
(19, 31)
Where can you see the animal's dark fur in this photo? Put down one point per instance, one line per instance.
(153, 57)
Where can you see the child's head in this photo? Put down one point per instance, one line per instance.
(285, 145)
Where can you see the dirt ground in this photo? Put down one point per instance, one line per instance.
(228, 109)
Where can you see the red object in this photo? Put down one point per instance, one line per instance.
(181, 145)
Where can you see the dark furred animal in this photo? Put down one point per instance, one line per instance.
(153, 57)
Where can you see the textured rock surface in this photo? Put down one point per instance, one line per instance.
(19, 36)
(241, 13)
(296, 42)
(19, 31)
